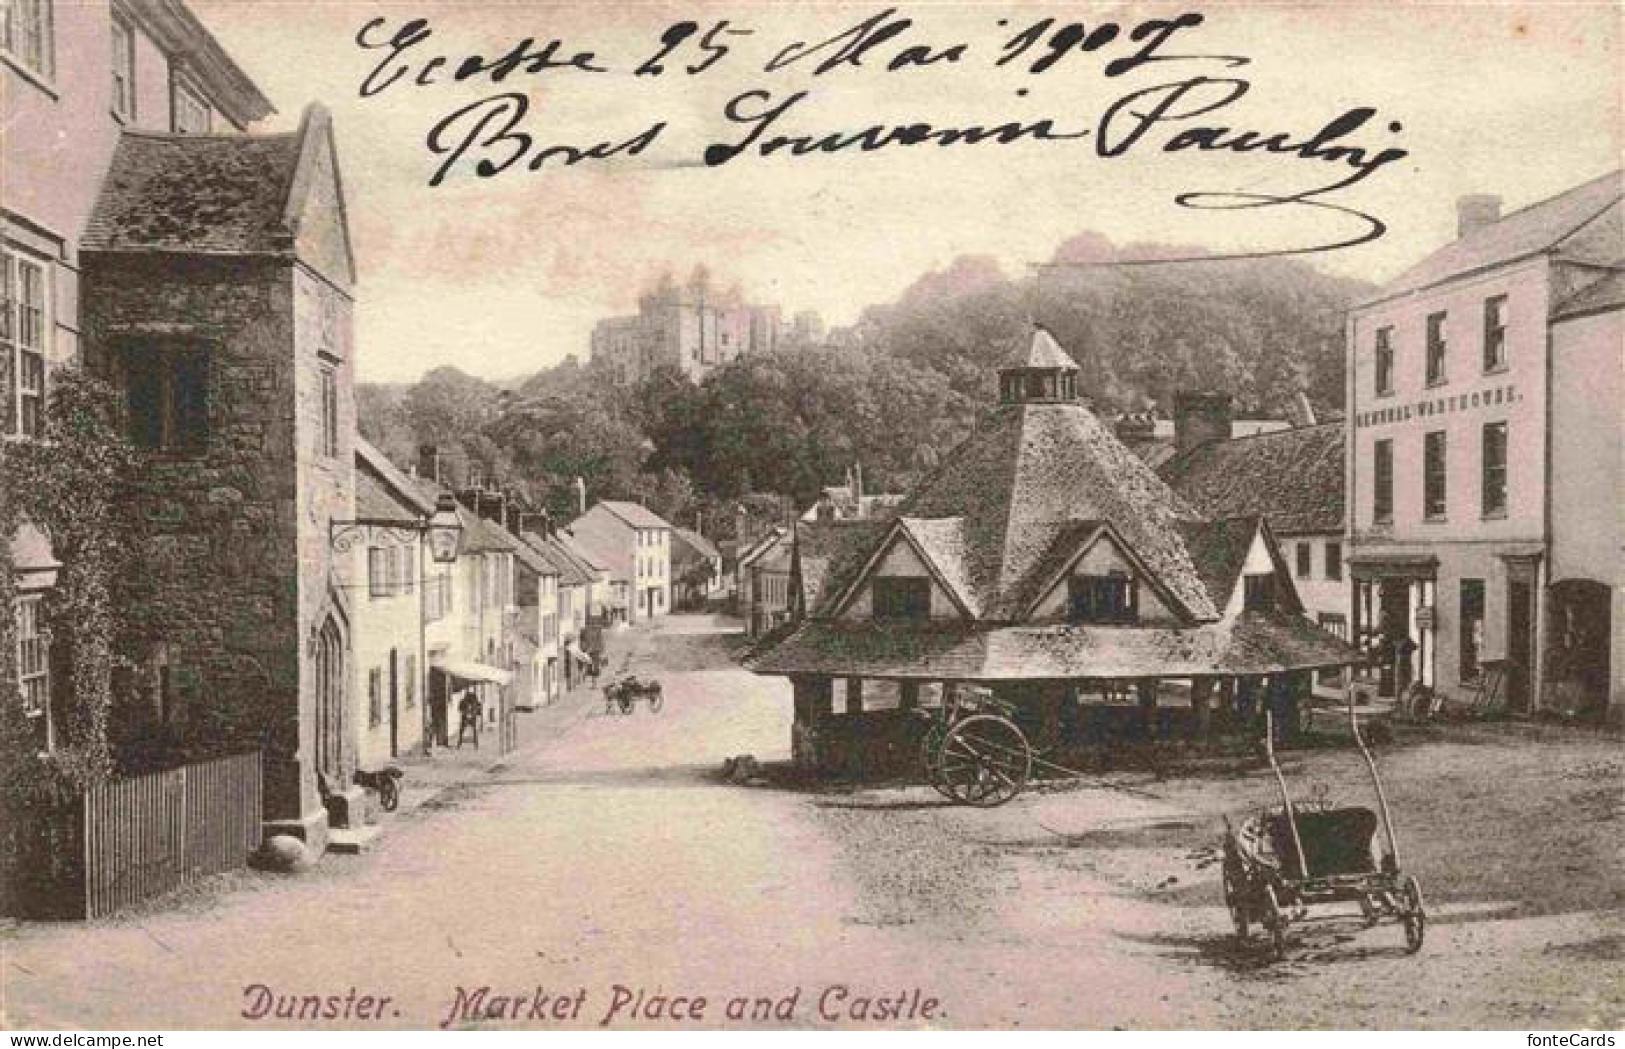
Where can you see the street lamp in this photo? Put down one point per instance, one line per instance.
(445, 530)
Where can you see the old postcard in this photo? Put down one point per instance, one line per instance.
(828, 516)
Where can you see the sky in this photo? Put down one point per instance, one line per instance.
(505, 275)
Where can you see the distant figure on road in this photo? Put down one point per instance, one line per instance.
(468, 712)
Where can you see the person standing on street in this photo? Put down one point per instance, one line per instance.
(468, 712)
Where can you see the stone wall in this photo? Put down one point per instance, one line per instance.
(239, 567)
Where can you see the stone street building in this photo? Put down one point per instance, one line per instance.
(1484, 455)
(216, 292)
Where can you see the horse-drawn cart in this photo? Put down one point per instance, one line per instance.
(624, 694)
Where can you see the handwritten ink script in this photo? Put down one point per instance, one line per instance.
(1199, 109)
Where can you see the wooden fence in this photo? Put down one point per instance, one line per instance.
(128, 840)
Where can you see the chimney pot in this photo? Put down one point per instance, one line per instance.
(1475, 211)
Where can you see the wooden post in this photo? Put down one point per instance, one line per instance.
(1148, 707)
(1201, 707)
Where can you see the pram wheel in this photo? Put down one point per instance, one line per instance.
(1233, 898)
(1275, 923)
(1414, 914)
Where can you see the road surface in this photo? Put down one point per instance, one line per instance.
(608, 876)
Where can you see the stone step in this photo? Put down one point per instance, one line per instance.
(349, 841)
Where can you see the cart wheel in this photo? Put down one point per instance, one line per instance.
(1414, 916)
(985, 761)
(1235, 898)
(930, 752)
(656, 701)
(1275, 923)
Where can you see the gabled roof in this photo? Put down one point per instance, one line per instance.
(603, 543)
(571, 571)
(532, 559)
(634, 515)
(1219, 549)
(484, 537)
(1552, 225)
(1596, 297)
(1295, 478)
(763, 544)
(1041, 352)
(1035, 470)
(583, 557)
(383, 490)
(694, 541)
(226, 194)
(829, 555)
(216, 194)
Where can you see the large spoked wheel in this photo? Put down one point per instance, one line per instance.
(1414, 913)
(1274, 923)
(1235, 897)
(657, 699)
(985, 761)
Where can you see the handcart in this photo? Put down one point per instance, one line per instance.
(623, 695)
(1280, 864)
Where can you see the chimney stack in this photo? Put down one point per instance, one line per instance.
(429, 462)
(581, 496)
(1475, 211)
(1200, 418)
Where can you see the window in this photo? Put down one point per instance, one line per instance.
(33, 668)
(1305, 554)
(409, 684)
(1336, 624)
(409, 574)
(1102, 598)
(1385, 361)
(1437, 348)
(24, 326)
(167, 398)
(1494, 481)
(29, 35)
(1433, 475)
(377, 572)
(1334, 561)
(1382, 482)
(902, 597)
(1495, 333)
(123, 69)
(375, 697)
(1259, 592)
(191, 115)
(329, 436)
(1471, 614)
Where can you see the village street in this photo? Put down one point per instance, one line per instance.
(610, 851)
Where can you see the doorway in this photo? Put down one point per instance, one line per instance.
(394, 704)
(1520, 642)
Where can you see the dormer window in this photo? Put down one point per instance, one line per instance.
(902, 597)
(1112, 598)
(1259, 593)
(192, 113)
